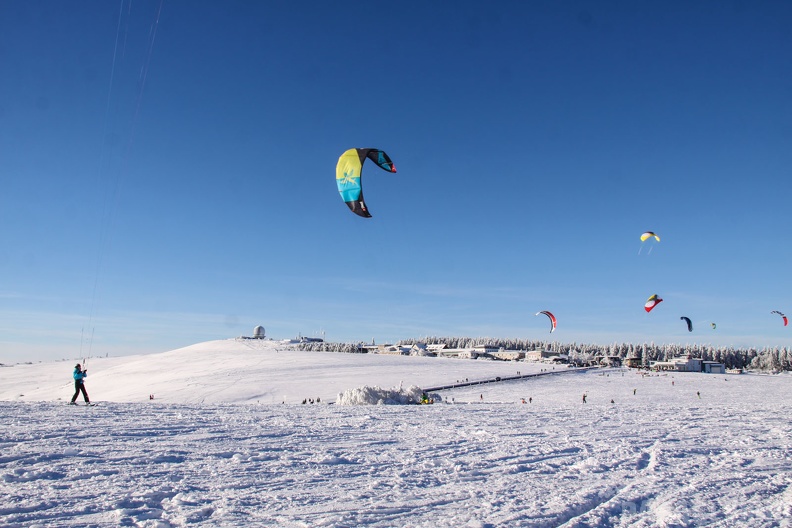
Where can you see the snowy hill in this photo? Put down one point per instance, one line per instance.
(240, 371)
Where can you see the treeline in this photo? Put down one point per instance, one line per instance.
(347, 348)
(768, 359)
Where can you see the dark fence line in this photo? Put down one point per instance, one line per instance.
(506, 378)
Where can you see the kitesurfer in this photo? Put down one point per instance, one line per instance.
(79, 375)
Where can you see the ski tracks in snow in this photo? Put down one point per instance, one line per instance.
(156, 465)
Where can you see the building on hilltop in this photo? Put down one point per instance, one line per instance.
(385, 348)
(546, 356)
(258, 333)
(463, 353)
(689, 364)
(486, 350)
(713, 367)
(608, 361)
(633, 362)
(478, 351)
(509, 355)
(418, 349)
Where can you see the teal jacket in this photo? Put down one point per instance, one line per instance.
(79, 375)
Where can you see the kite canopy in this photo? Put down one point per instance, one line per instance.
(651, 302)
(714, 326)
(552, 319)
(784, 317)
(348, 172)
(649, 235)
(689, 323)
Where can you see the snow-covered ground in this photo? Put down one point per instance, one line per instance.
(217, 447)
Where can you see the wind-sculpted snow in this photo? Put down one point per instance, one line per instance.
(676, 451)
(376, 396)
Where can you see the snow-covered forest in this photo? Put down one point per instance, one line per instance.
(764, 359)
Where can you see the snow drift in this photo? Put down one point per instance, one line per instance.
(376, 396)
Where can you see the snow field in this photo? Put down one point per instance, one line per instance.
(659, 457)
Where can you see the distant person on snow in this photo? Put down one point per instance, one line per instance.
(79, 376)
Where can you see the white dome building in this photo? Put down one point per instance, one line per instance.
(258, 332)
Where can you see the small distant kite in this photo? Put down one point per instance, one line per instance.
(646, 236)
(651, 302)
(714, 326)
(689, 323)
(552, 319)
(348, 172)
(784, 317)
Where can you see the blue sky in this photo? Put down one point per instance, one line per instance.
(168, 168)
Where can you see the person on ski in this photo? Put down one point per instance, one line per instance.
(79, 376)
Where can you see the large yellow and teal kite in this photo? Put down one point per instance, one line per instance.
(348, 172)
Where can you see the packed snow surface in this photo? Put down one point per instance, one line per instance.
(644, 450)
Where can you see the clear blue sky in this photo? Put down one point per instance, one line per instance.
(168, 171)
